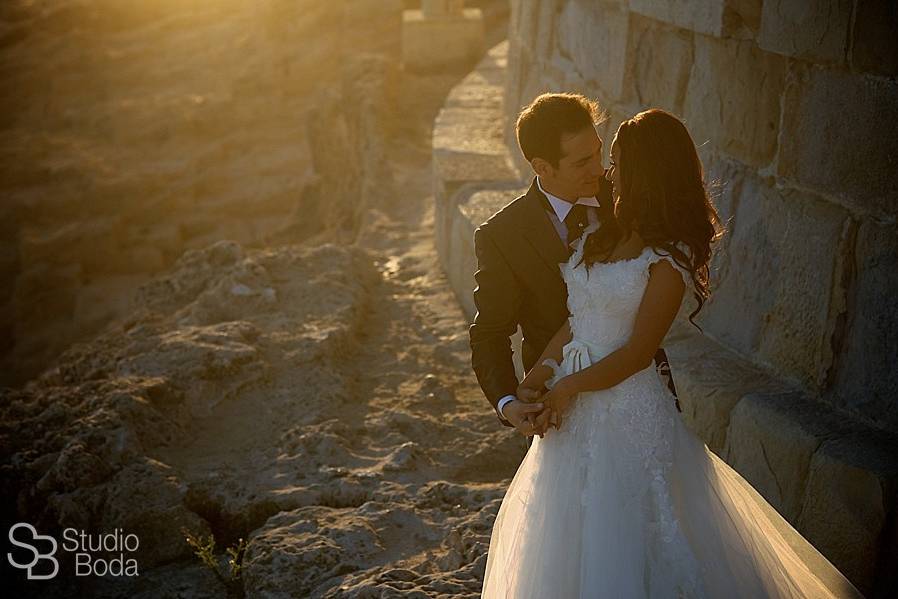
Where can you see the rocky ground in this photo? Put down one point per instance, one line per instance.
(311, 394)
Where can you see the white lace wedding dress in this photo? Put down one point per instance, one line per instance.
(624, 501)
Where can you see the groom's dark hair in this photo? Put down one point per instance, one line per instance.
(543, 122)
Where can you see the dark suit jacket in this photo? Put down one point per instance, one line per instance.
(518, 283)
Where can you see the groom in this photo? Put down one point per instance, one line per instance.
(519, 248)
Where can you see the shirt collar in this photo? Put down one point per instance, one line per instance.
(562, 207)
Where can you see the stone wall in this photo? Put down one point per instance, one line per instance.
(794, 381)
(791, 103)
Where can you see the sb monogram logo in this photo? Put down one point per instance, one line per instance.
(37, 555)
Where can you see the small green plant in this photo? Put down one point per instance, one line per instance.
(204, 549)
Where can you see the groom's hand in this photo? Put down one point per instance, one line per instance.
(521, 414)
(544, 420)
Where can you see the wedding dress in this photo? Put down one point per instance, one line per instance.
(623, 501)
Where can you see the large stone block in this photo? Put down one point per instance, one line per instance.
(866, 377)
(721, 18)
(710, 382)
(837, 137)
(545, 28)
(814, 30)
(433, 43)
(594, 37)
(659, 63)
(775, 281)
(875, 45)
(771, 440)
(733, 98)
(847, 508)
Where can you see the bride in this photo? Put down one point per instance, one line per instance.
(621, 500)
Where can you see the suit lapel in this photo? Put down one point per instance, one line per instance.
(540, 233)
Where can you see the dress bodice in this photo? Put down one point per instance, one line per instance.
(604, 299)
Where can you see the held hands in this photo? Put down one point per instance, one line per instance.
(557, 402)
(522, 414)
(551, 407)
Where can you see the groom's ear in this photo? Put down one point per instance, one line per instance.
(542, 167)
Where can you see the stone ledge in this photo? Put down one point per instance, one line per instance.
(469, 153)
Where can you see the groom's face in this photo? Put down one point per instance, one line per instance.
(580, 166)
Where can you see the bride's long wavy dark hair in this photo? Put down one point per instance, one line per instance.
(663, 197)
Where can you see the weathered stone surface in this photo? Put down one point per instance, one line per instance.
(439, 8)
(866, 376)
(430, 43)
(536, 78)
(554, 72)
(462, 262)
(157, 522)
(362, 10)
(544, 28)
(468, 143)
(875, 46)
(834, 140)
(468, 146)
(659, 63)
(297, 550)
(523, 20)
(484, 86)
(595, 40)
(770, 441)
(815, 30)
(724, 179)
(775, 279)
(850, 497)
(615, 115)
(733, 98)
(712, 17)
(710, 382)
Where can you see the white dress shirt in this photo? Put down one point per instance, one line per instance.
(560, 210)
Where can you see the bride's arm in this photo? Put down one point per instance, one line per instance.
(540, 373)
(659, 306)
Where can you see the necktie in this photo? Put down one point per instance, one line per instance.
(575, 221)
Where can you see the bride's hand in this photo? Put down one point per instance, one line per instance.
(558, 400)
